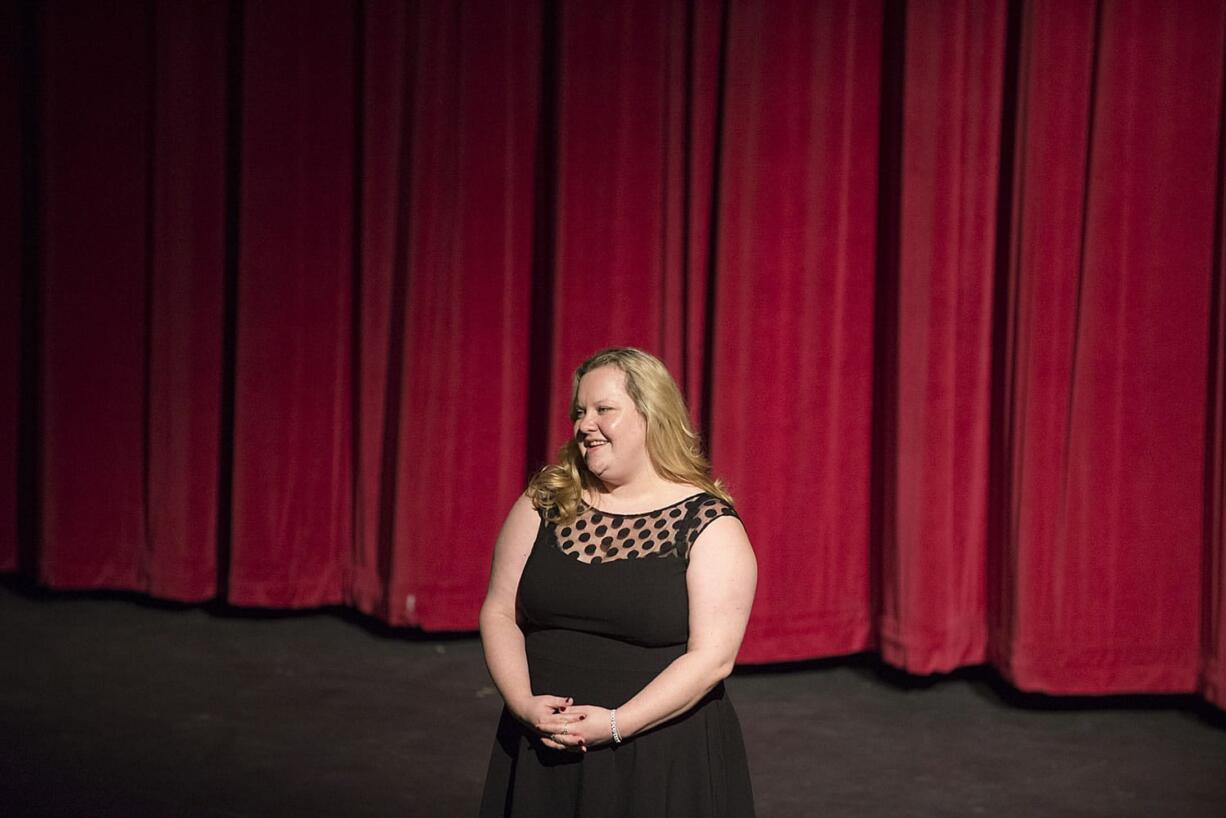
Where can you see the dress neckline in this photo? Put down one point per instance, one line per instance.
(590, 507)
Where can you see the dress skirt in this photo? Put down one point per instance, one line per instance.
(694, 765)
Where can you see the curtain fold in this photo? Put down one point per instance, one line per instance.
(292, 510)
(184, 301)
(1115, 221)
(635, 88)
(11, 285)
(1213, 608)
(95, 263)
(934, 555)
(298, 289)
(793, 332)
(448, 202)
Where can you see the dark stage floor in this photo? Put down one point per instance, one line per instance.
(114, 706)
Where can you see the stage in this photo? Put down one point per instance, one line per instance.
(115, 705)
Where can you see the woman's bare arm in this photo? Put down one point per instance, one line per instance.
(501, 638)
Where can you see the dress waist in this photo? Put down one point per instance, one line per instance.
(595, 652)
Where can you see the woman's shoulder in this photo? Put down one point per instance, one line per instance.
(708, 506)
(704, 496)
(524, 509)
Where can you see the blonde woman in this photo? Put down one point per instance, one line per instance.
(621, 586)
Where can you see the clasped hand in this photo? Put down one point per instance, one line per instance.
(564, 725)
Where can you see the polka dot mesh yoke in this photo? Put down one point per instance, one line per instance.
(598, 536)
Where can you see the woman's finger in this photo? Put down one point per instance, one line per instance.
(567, 742)
(552, 728)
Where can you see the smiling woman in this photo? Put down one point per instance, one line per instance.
(621, 587)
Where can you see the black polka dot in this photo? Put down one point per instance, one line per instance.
(584, 537)
(590, 550)
(606, 542)
(616, 522)
(661, 523)
(611, 553)
(644, 534)
(582, 524)
(676, 512)
(632, 554)
(640, 522)
(623, 532)
(595, 560)
(566, 532)
(600, 532)
(596, 517)
(710, 514)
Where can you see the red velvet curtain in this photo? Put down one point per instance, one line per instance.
(297, 288)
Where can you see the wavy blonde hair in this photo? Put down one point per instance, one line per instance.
(672, 444)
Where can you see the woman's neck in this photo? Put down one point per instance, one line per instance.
(643, 490)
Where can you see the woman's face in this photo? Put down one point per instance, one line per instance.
(611, 434)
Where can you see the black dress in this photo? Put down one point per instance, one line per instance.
(604, 609)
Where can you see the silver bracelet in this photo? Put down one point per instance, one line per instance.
(617, 737)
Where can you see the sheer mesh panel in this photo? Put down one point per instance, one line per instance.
(598, 536)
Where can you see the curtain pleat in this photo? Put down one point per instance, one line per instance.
(96, 150)
(184, 300)
(299, 287)
(1115, 221)
(616, 265)
(1213, 605)
(450, 116)
(292, 511)
(11, 250)
(934, 556)
(793, 333)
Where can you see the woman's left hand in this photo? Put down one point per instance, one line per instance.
(587, 726)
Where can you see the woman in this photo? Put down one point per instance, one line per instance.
(621, 586)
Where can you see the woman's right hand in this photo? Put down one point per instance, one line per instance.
(544, 715)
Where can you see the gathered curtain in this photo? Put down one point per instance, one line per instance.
(297, 290)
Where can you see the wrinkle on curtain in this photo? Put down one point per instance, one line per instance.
(128, 276)
(793, 346)
(12, 250)
(449, 109)
(934, 555)
(1115, 221)
(302, 286)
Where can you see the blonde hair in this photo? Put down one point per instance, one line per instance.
(672, 444)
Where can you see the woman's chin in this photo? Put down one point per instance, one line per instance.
(597, 465)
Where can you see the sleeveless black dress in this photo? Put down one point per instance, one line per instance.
(604, 608)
